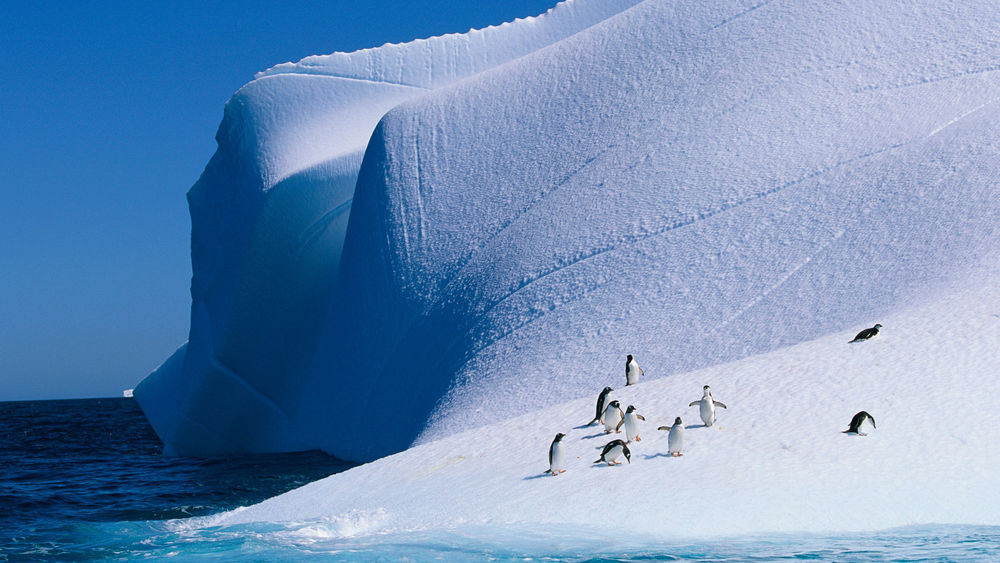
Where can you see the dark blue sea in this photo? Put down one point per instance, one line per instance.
(85, 480)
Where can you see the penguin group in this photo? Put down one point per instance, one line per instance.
(608, 412)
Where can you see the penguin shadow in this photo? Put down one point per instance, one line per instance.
(654, 456)
(603, 465)
(582, 426)
(538, 476)
(599, 435)
(690, 426)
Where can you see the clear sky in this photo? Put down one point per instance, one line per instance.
(108, 113)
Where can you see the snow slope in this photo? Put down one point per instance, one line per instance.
(690, 182)
(776, 461)
(268, 220)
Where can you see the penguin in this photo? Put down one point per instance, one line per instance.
(866, 334)
(857, 421)
(613, 417)
(602, 403)
(557, 455)
(631, 422)
(632, 371)
(613, 450)
(675, 440)
(708, 405)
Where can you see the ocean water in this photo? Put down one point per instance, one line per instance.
(85, 480)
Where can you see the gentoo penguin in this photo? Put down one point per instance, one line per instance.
(866, 334)
(675, 440)
(602, 403)
(557, 455)
(613, 450)
(632, 371)
(612, 418)
(631, 422)
(857, 421)
(708, 405)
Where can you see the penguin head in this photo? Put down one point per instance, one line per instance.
(877, 325)
(677, 421)
(607, 390)
(629, 358)
(615, 404)
(628, 454)
(631, 408)
(559, 437)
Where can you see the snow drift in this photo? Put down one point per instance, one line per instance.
(689, 182)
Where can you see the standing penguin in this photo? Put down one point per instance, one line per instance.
(632, 371)
(557, 455)
(631, 422)
(708, 405)
(613, 417)
(857, 421)
(675, 440)
(602, 403)
(866, 334)
(613, 450)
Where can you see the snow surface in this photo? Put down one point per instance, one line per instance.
(776, 461)
(690, 182)
(269, 216)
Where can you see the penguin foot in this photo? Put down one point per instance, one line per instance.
(638, 439)
(562, 471)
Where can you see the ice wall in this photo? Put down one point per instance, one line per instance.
(268, 220)
(689, 182)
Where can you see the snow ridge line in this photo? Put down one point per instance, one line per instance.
(311, 233)
(781, 280)
(633, 239)
(966, 74)
(961, 117)
(737, 16)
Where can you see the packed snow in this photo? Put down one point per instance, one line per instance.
(776, 460)
(723, 189)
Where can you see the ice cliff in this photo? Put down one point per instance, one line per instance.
(690, 182)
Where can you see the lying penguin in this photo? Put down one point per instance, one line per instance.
(866, 334)
(613, 450)
(857, 421)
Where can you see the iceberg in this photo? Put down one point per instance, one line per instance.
(402, 245)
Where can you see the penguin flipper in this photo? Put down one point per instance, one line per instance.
(619, 427)
(720, 404)
(664, 428)
(693, 403)
(640, 417)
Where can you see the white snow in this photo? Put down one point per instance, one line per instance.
(727, 190)
(776, 461)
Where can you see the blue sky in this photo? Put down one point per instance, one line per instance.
(108, 114)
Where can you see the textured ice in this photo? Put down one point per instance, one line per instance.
(689, 182)
(775, 461)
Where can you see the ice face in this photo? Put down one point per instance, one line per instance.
(692, 183)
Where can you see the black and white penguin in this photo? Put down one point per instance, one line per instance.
(631, 422)
(602, 403)
(557, 455)
(675, 440)
(857, 421)
(613, 416)
(866, 334)
(613, 450)
(708, 405)
(632, 371)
